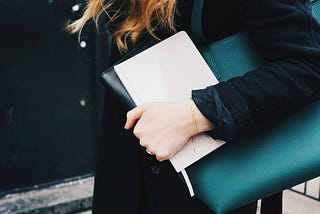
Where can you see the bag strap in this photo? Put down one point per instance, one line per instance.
(196, 20)
(198, 36)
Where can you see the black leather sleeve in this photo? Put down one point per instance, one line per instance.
(288, 37)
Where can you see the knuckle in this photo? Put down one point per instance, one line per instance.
(144, 144)
(162, 156)
(137, 131)
(150, 148)
(159, 159)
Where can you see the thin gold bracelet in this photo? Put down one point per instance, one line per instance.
(195, 125)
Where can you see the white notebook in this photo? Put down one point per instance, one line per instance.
(169, 71)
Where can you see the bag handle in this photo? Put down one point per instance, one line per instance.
(196, 20)
(198, 36)
(200, 40)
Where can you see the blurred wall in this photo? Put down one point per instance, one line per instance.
(48, 95)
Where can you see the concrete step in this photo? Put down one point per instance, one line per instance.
(76, 196)
(67, 197)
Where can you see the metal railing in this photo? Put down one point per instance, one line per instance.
(310, 189)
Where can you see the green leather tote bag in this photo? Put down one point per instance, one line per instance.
(277, 158)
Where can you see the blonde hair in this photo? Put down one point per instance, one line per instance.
(134, 17)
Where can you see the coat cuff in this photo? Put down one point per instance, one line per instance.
(226, 109)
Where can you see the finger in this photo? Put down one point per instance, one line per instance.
(149, 150)
(132, 116)
(160, 159)
(162, 156)
(143, 144)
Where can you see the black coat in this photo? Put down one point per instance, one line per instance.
(128, 180)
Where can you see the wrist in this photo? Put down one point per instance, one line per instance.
(200, 122)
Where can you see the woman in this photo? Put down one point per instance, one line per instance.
(128, 178)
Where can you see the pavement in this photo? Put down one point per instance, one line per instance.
(76, 195)
(293, 202)
(66, 197)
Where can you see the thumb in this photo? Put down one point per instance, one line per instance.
(134, 115)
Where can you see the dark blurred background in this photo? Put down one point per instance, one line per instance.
(49, 95)
(50, 102)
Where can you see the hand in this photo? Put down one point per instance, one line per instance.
(163, 128)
